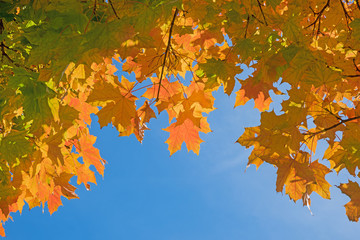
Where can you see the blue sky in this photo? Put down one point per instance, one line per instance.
(146, 194)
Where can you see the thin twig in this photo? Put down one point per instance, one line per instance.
(262, 12)
(138, 89)
(313, 10)
(357, 69)
(333, 126)
(11, 49)
(112, 6)
(333, 114)
(166, 52)
(94, 8)
(347, 16)
(317, 19)
(351, 76)
(257, 19)
(247, 25)
(62, 31)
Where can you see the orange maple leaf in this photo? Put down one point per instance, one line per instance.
(186, 132)
(90, 154)
(118, 109)
(54, 199)
(352, 189)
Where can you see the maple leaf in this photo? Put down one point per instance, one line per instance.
(185, 132)
(167, 90)
(51, 148)
(222, 71)
(321, 186)
(85, 109)
(54, 200)
(118, 110)
(145, 112)
(352, 189)
(294, 173)
(14, 145)
(241, 99)
(90, 154)
(249, 137)
(258, 92)
(67, 189)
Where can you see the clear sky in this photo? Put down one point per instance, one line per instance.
(146, 194)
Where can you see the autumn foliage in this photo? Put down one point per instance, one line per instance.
(56, 70)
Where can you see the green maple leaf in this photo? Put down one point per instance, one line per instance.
(14, 145)
(35, 96)
(246, 48)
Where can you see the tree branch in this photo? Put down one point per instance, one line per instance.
(331, 127)
(317, 19)
(166, 52)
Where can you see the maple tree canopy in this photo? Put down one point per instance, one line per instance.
(56, 70)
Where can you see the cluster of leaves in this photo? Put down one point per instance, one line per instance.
(56, 70)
